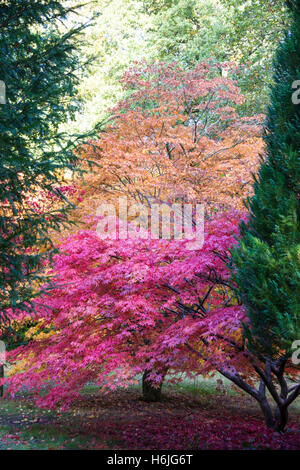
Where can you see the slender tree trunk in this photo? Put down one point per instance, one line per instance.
(277, 422)
(267, 412)
(151, 393)
(281, 418)
(1, 377)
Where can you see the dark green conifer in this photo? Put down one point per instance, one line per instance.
(41, 67)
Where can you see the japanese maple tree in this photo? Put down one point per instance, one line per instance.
(177, 136)
(115, 306)
(126, 307)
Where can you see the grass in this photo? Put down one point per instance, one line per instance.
(24, 426)
(94, 420)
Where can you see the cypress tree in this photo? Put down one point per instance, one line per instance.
(266, 263)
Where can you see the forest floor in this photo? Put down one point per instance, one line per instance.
(190, 416)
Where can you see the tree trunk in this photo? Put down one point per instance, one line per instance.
(151, 393)
(267, 412)
(1, 377)
(277, 422)
(281, 418)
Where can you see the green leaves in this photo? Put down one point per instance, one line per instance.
(189, 31)
(254, 29)
(41, 68)
(267, 263)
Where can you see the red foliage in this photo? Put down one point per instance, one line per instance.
(123, 306)
(206, 432)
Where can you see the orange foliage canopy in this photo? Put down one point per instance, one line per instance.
(177, 137)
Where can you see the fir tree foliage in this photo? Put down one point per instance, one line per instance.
(41, 67)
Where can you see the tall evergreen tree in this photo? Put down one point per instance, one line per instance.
(267, 260)
(40, 66)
